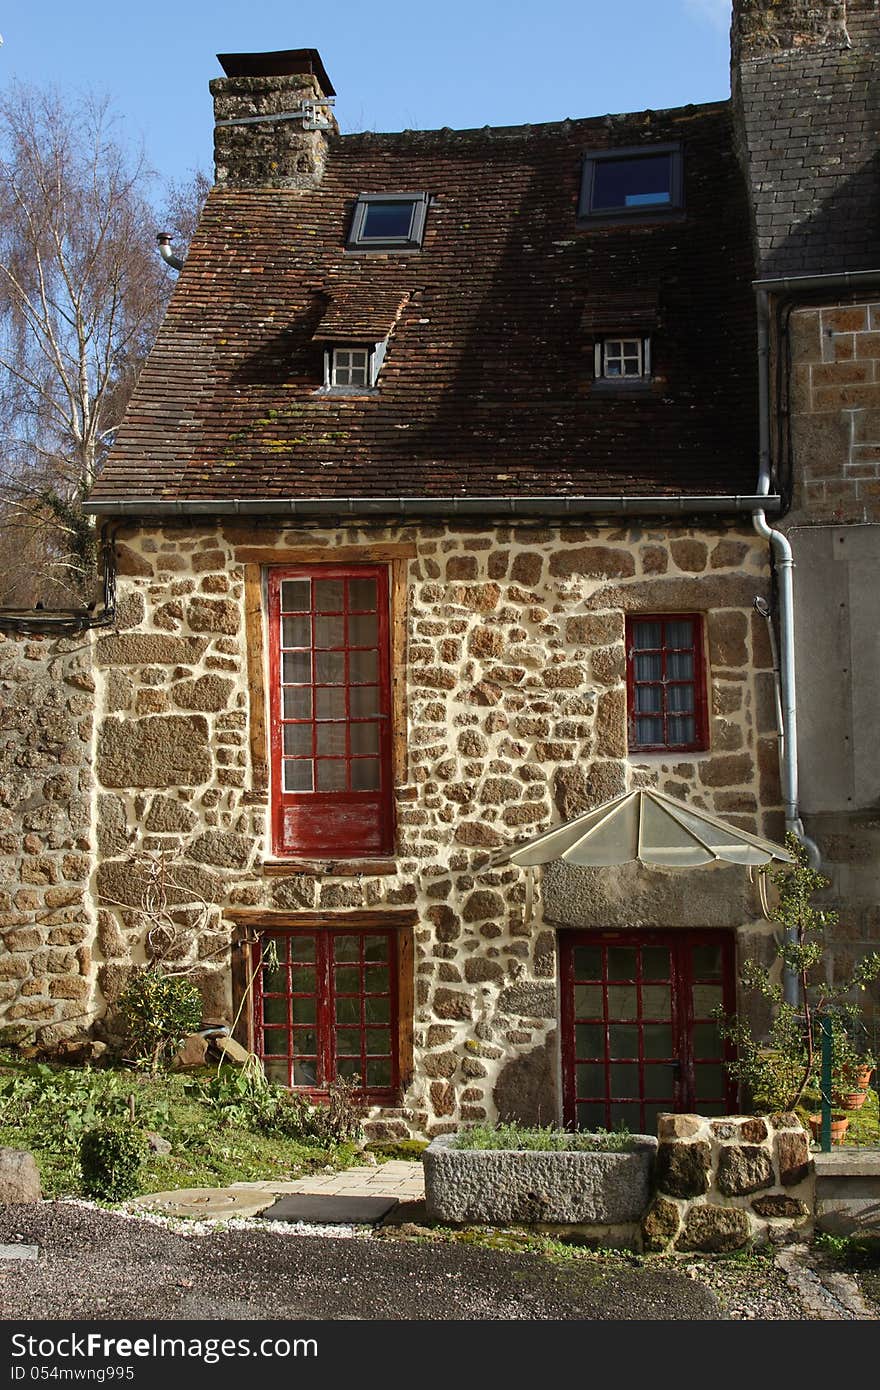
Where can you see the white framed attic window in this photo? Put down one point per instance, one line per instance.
(352, 367)
(623, 359)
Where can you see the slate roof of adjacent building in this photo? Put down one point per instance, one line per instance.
(487, 386)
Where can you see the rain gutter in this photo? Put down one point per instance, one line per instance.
(440, 506)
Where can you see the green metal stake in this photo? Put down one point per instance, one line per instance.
(825, 1140)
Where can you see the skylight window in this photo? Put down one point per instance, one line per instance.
(388, 222)
(643, 181)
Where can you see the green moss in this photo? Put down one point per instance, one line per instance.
(387, 1149)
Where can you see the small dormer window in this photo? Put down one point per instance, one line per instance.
(624, 183)
(623, 359)
(353, 367)
(388, 222)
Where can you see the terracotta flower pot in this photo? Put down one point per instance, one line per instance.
(839, 1126)
(863, 1077)
(851, 1100)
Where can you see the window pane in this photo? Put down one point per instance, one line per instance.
(296, 667)
(680, 697)
(623, 1114)
(641, 181)
(680, 666)
(591, 1117)
(376, 948)
(588, 1001)
(379, 1041)
(363, 666)
(329, 668)
(622, 1002)
(298, 739)
(297, 702)
(362, 595)
(377, 1008)
(648, 666)
(706, 962)
(275, 981)
(303, 1010)
(365, 775)
(296, 632)
(707, 1042)
(275, 1042)
(656, 1001)
(659, 1082)
(681, 730)
(649, 731)
(588, 962)
(330, 704)
(348, 1042)
(680, 633)
(378, 1074)
(348, 979)
(305, 1073)
(302, 980)
(298, 775)
(590, 1079)
(328, 595)
(295, 595)
(589, 1040)
(276, 1072)
(363, 630)
(377, 979)
(331, 738)
(330, 775)
(302, 948)
(349, 1068)
(624, 1079)
(709, 1082)
(707, 998)
(655, 963)
(348, 1010)
(385, 221)
(329, 632)
(646, 635)
(657, 1038)
(304, 1042)
(623, 1041)
(346, 947)
(364, 700)
(622, 963)
(275, 1011)
(364, 738)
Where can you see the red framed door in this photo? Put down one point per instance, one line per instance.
(638, 1036)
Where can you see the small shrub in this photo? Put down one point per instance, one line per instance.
(511, 1136)
(157, 1011)
(111, 1156)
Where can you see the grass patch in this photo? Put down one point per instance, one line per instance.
(407, 1150)
(47, 1110)
(509, 1136)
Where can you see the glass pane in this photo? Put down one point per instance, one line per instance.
(346, 948)
(680, 666)
(330, 632)
(622, 963)
(649, 731)
(298, 776)
(655, 963)
(305, 1073)
(706, 961)
(328, 595)
(650, 1120)
(329, 668)
(364, 700)
(330, 775)
(348, 1042)
(363, 630)
(348, 1010)
(707, 1043)
(296, 667)
(590, 1079)
(648, 666)
(649, 699)
(302, 948)
(365, 775)
(276, 1072)
(302, 980)
(624, 1079)
(646, 635)
(656, 1002)
(330, 704)
(377, 1008)
(657, 1040)
(362, 595)
(588, 1001)
(275, 1042)
(591, 1117)
(348, 979)
(331, 738)
(623, 1041)
(376, 979)
(379, 1041)
(680, 698)
(681, 729)
(659, 1083)
(385, 221)
(589, 1040)
(297, 702)
(376, 947)
(295, 595)
(622, 1002)
(588, 962)
(706, 998)
(642, 181)
(626, 1115)
(363, 667)
(275, 1011)
(298, 739)
(680, 633)
(349, 1068)
(709, 1082)
(303, 1010)
(304, 1042)
(378, 1074)
(365, 738)
(275, 981)
(296, 632)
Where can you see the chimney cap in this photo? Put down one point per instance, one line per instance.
(284, 63)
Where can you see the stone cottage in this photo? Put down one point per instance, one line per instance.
(434, 524)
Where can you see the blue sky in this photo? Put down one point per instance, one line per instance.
(395, 65)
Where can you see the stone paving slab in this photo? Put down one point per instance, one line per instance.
(330, 1209)
(395, 1181)
(19, 1252)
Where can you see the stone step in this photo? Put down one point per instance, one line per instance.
(848, 1192)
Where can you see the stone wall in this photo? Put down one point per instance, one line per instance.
(46, 916)
(516, 718)
(727, 1183)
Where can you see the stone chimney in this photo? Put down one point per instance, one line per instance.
(272, 119)
(762, 27)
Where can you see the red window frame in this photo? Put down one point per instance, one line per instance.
(698, 706)
(330, 726)
(329, 1009)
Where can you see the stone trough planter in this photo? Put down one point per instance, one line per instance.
(568, 1187)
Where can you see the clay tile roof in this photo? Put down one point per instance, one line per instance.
(486, 389)
(618, 310)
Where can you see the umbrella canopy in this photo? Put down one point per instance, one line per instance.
(647, 825)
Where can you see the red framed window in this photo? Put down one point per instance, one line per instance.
(666, 683)
(330, 710)
(326, 1007)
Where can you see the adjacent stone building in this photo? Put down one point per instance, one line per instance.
(433, 526)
